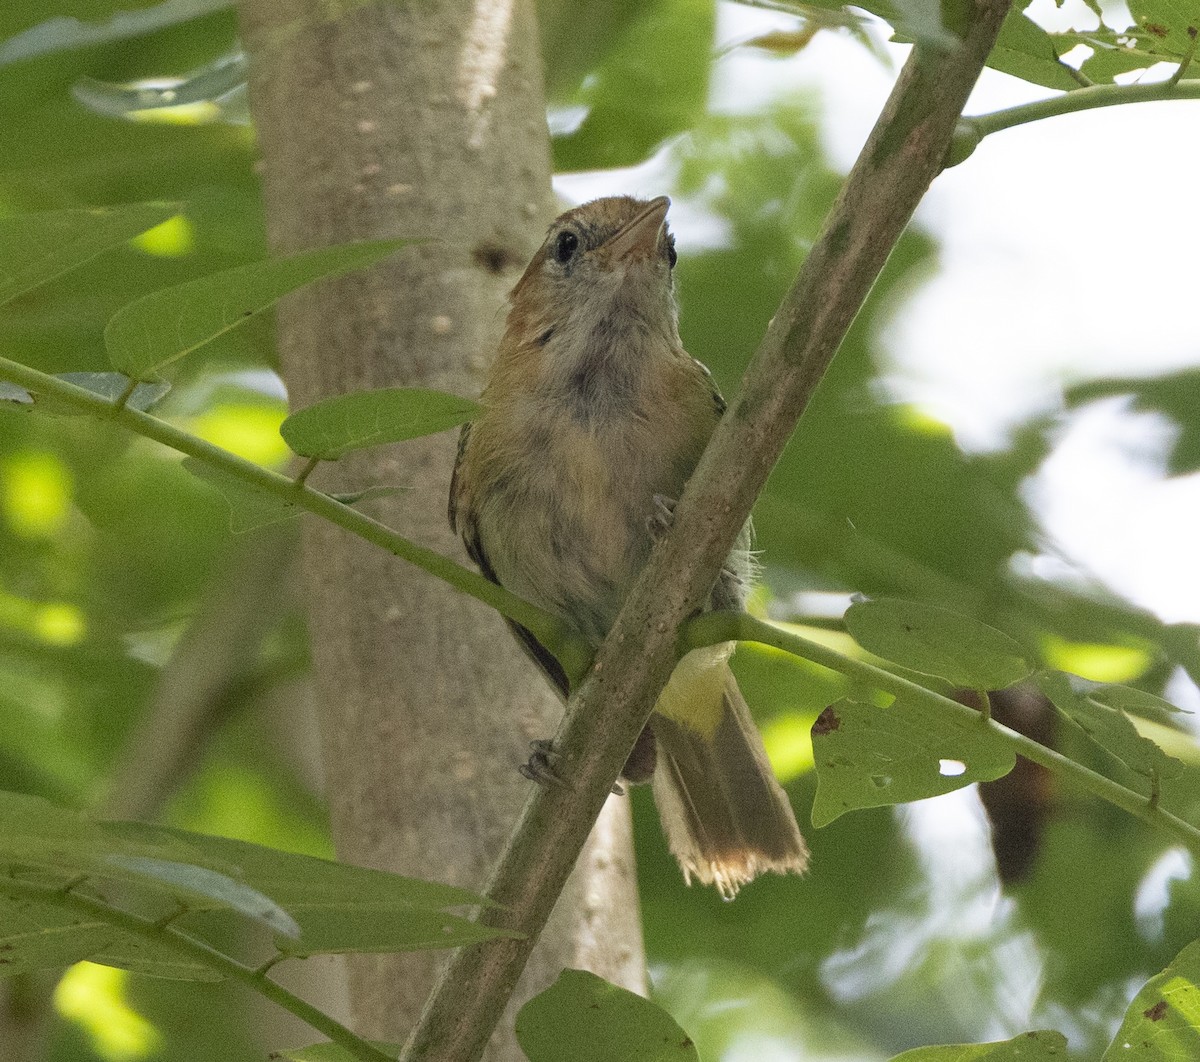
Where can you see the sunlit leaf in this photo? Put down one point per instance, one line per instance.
(935, 641)
(1108, 727)
(1028, 1047)
(35, 248)
(869, 757)
(335, 426)
(1162, 1023)
(166, 325)
(584, 1018)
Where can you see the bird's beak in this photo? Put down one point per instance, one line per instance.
(638, 240)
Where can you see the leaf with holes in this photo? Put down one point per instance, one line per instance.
(584, 1018)
(333, 428)
(1108, 727)
(35, 248)
(1163, 1021)
(1028, 1047)
(868, 757)
(166, 325)
(935, 641)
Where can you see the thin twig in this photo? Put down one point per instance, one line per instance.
(1084, 99)
(714, 627)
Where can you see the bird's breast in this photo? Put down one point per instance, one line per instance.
(563, 513)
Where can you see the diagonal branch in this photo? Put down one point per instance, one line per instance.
(904, 153)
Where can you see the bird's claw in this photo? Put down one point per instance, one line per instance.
(542, 765)
(659, 522)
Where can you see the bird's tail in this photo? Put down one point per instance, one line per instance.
(725, 817)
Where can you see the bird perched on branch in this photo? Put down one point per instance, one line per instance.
(592, 421)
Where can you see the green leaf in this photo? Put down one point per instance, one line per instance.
(36, 833)
(249, 507)
(935, 641)
(109, 385)
(1128, 699)
(1028, 1047)
(1163, 1021)
(357, 497)
(157, 329)
(299, 881)
(208, 884)
(1025, 50)
(112, 385)
(37, 936)
(869, 757)
(1108, 727)
(218, 79)
(584, 1018)
(35, 248)
(331, 1052)
(62, 34)
(337, 927)
(340, 907)
(16, 397)
(335, 426)
(651, 85)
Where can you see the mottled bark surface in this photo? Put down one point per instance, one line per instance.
(427, 119)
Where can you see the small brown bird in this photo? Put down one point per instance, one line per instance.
(592, 421)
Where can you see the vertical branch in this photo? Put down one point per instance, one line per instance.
(417, 118)
(904, 153)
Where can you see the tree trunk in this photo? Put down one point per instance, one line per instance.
(421, 118)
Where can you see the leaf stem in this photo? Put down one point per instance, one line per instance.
(127, 394)
(201, 952)
(1083, 99)
(714, 627)
(1186, 61)
(571, 650)
(306, 471)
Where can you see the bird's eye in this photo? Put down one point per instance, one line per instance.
(672, 257)
(565, 246)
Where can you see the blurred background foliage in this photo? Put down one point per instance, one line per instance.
(153, 665)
